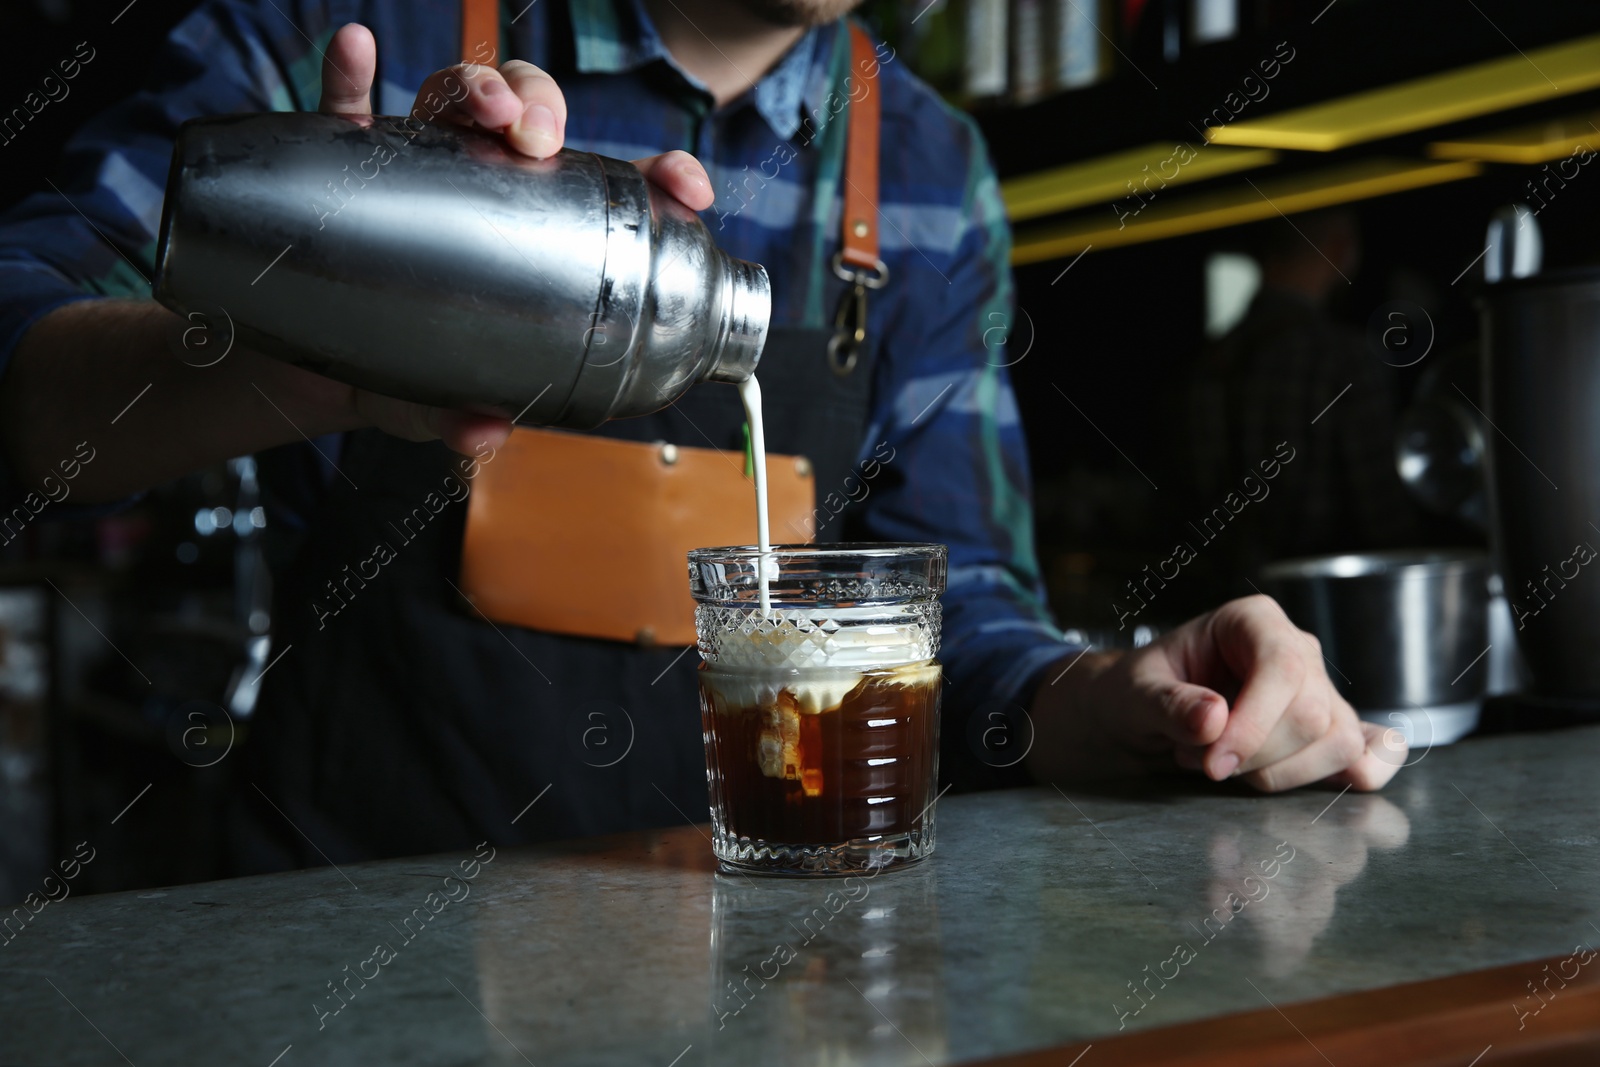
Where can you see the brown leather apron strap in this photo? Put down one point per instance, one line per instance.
(480, 31)
(861, 158)
(857, 261)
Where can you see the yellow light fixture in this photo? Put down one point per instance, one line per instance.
(1123, 174)
(1536, 142)
(1235, 205)
(1481, 89)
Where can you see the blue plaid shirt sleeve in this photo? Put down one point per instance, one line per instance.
(93, 234)
(956, 469)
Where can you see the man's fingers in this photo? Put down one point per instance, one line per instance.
(1362, 755)
(1260, 645)
(1308, 718)
(469, 433)
(680, 174)
(467, 94)
(348, 68)
(466, 432)
(1186, 714)
(1385, 753)
(1287, 727)
(1336, 750)
(412, 422)
(540, 128)
(518, 100)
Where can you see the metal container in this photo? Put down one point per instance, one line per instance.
(1400, 630)
(432, 263)
(1542, 395)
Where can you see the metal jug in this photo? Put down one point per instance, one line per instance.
(1541, 387)
(433, 263)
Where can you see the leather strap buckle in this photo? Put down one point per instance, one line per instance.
(856, 274)
(850, 320)
(857, 260)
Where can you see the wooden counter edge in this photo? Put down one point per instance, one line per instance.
(1462, 1019)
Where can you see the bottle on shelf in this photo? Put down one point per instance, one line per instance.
(1082, 32)
(986, 58)
(1211, 21)
(1030, 50)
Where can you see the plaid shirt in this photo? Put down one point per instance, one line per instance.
(941, 399)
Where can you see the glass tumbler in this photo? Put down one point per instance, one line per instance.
(820, 711)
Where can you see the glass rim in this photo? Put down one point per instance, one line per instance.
(928, 550)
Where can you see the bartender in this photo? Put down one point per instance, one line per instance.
(409, 721)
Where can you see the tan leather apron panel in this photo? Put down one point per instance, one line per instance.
(576, 534)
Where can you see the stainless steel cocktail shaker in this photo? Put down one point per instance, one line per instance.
(432, 263)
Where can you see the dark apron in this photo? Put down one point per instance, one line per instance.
(406, 723)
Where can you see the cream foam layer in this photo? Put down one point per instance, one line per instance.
(812, 691)
(818, 667)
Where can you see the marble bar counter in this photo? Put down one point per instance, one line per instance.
(1047, 919)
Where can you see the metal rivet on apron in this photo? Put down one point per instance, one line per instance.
(802, 466)
(647, 634)
(860, 229)
(669, 454)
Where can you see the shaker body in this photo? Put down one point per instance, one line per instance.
(434, 264)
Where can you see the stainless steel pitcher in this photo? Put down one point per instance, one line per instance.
(432, 263)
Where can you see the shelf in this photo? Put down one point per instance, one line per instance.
(1469, 92)
(1108, 178)
(1235, 205)
(1537, 142)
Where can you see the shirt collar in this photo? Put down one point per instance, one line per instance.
(611, 36)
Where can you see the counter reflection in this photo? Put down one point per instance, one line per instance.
(1291, 911)
(827, 972)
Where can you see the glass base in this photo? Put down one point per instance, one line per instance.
(869, 856)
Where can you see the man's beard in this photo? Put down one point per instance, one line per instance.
(799, 12)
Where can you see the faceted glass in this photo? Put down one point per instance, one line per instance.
(820, 711)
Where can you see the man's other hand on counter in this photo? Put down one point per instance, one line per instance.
(1238, 692)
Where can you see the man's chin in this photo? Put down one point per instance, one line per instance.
(799, 12)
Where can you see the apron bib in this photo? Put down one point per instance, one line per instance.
(401, 721)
